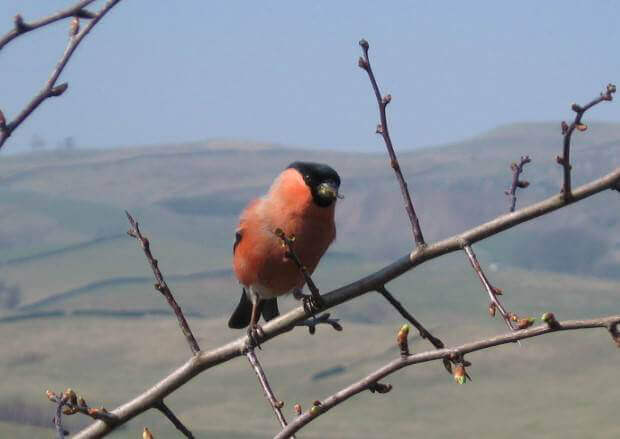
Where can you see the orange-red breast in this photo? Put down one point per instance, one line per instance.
(300, 202)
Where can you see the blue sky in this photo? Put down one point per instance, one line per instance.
(286, 72)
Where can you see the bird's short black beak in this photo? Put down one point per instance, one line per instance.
(328, 190)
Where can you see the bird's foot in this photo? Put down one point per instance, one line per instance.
(312, 303)
(255, 333)
(312, 323)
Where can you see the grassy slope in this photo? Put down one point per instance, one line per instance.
(58, 211)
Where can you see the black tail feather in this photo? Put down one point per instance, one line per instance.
(270, 309)
(241, 316)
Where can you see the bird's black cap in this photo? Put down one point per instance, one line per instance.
(314, 175)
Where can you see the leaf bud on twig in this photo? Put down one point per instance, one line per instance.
(70, 411)
(362, 63)
(297, 409)
(59, 89)
(549, 319)
(401, 339)
(146, 434)
(492, 309)
(459, 374)
(71, 396)
(74, 27)
(525, 322)
(316, 408)
(379, 387)
(581, 127)
(18, 21)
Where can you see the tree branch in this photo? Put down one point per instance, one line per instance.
(457, 352)
(206, 360)
(161, 284)
(567, 131)
(382, 129)
(50, 89)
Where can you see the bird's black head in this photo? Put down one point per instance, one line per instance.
(322, 180)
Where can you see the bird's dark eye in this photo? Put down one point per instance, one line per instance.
(307, 177)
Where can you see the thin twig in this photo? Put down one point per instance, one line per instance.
(455, 353)
(290, 252)
(173, 418)
(424, 333)
(50, 89)
(276, 404)
(73, 404)
(60, 430)
(490, 289)
(382, 129)
(282, 324)
(161, 285)
(21, 27)
(567, 131)
(517, 169)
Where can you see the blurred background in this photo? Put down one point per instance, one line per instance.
(182, 113)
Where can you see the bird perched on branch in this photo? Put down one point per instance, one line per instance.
(301, 203)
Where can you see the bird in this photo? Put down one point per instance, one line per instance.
(301, 203)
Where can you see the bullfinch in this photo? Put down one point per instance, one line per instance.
(300, 202)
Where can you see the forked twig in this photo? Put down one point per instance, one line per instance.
(161, 285)
(68, 403)
(490, 289)
(567, 131)
(21, 27)
(382, 128)
(50, 89)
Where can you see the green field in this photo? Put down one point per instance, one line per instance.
(88, 317)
